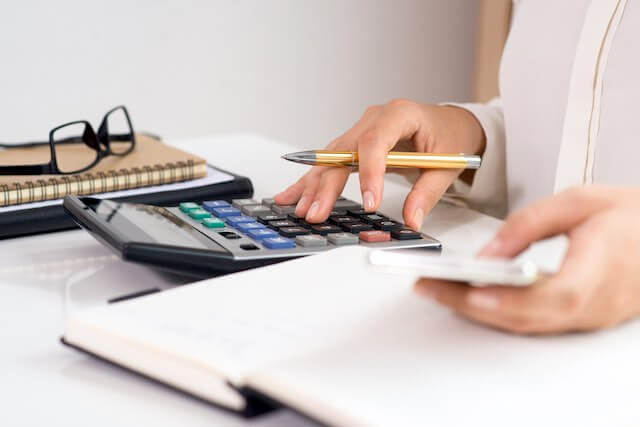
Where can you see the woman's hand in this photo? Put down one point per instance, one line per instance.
(598, 284)
(427, 128)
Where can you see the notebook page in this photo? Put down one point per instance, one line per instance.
(410, 362)
(248, 320)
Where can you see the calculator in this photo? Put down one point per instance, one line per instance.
(215, 237)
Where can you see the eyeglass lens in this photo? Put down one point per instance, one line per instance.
(118, 132)
(70, 145)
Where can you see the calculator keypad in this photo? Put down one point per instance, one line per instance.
(260, 226)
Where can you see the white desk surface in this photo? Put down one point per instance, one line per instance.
(44, 383)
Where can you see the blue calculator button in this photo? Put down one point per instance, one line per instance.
(261, 233)
(210, 204)
(225, 212)
(278, 243)
(246, 226)
(234, 221)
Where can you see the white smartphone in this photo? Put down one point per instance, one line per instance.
(475, 271)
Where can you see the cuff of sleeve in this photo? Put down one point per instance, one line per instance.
(488, 192)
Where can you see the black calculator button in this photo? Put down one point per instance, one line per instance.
(324, 229)
(229, 235)
(337, 212)
(357, 227)
(387, 225)
(372, 218)
(405, 234)
(342, 219)
(249, 247)
(276, 225)
(293, 231)
(266, 218)
(358, 212)
(295, 218)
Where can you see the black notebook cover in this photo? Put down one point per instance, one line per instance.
(53, 218)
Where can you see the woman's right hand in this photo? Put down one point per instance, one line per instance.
(427, 128)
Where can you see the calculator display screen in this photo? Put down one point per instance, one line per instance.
(153, 224)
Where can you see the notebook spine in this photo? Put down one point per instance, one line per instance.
(39, 190)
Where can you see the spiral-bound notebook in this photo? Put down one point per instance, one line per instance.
(154, 172)
(151, 163)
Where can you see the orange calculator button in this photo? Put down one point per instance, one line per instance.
(375, 236)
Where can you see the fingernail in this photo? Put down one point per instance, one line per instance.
(313, 210)
(418, 218)
(491, 248)
(482, 300)
(367, 201)
(301, 205)
(427, 291)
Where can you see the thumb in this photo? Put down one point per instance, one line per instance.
(545, 218)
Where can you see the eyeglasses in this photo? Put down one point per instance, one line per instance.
(68, 145)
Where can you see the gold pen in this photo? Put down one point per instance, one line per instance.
(395, 159)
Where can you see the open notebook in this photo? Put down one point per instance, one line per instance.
(345, 345)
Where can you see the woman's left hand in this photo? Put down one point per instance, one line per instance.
(598, 284)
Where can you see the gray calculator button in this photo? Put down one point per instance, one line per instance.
(343, 238)
(345, 204)
(311, 240)
(283, 209)
(268, 202)
(238, 203)
(256, 210)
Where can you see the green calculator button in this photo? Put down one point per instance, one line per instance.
(199, 214)
(212, 223)
(188, 206)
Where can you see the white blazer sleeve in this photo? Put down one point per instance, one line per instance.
(488, 191)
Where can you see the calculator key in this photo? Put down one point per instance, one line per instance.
(246, 226)
(346, 204)
(357, 212)
(293, 231)
(278, 243)
(295, 218)
(276, 225)
(342, 219)
(283, 209)
(375, 236)
(405, 234)
(372, 218)
(213, 223)
(225, 212)
(268, 201)
(337, 212)
(324, 229)
(311, 240)
(188, 206)
(210, 204)
(256, 210)
(261, 233)
(265, 219)
(239, 219)
(357, 227)
(340, 239)
(229, 235)
(387, 225)
(199, 214)
(239, 203)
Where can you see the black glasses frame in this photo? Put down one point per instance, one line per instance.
(100, 142)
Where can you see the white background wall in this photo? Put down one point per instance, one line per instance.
(297, 70)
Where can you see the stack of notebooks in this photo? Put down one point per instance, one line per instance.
(154, 173)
